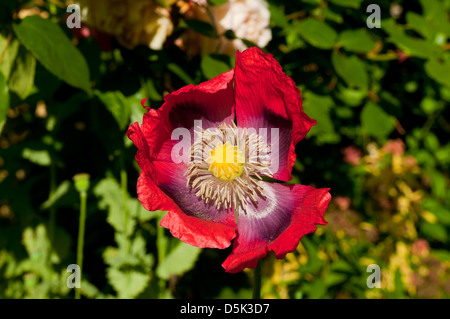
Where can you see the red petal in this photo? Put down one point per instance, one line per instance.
(198, 232)
(277, 223)
(191, 230)
(151, 196)
(161, 185)
(268, 98)
(171, 181)
(135, 134)
(211, 101)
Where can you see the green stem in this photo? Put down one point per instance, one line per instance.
(123, 183)
(124, 186)
(83, 200)
(429, 124)
(257, 281)
(51, 227)
(161, 243)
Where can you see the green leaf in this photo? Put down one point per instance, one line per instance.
(430, 105)
(8, 56)
(376, 122)
(436, 14)
(91, 292)
(179, 260)
(131, 253)
(351, 69)
(36, 242)
(419, 24)
(293, 39)
(212, 66)
(314, 262)
(424, 158)
(39, 157)
(22, 76)
(139, 249)
(431, 142)
(411, 46)
(443, 154)
(332, 16)
(344, 112)
(434, 231)
(318, 107)
(60, 191)
(199, 26)
(313, 2)
(50, 46)
(316, 289)
(127, 283)
(342, 266)
(152, 91)
(135, 107)
(438, 183)
(356, 41)
(117, 105)
(355, 4)
(277, 16)
(38, 247)
(229, 293)
(351, 97)
(335, 278)
(398, 284)
(177, 70)
(438, 71)
(111, 198)
(217, 2)
(317, 33)
(442, 213)
(442, 254)
(4, 101)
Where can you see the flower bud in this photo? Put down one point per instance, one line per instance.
(81, 182)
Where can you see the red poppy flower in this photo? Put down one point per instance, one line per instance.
(251, 119)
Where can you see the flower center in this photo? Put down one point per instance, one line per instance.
(228, 174)
(226, 162)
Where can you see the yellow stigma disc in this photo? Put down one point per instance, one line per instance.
(226, 162)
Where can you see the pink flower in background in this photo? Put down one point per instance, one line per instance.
(409, 161)
(420, 248)
(352, 155)
(104, 40)
(396, 147)
(343, 202)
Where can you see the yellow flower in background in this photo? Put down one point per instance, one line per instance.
(132, 22)
(399, 260)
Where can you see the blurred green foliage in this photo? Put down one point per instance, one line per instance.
(380, 98)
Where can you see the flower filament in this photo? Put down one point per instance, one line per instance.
(230, 174)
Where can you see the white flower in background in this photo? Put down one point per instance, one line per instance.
(248, 19)
(202, 3)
